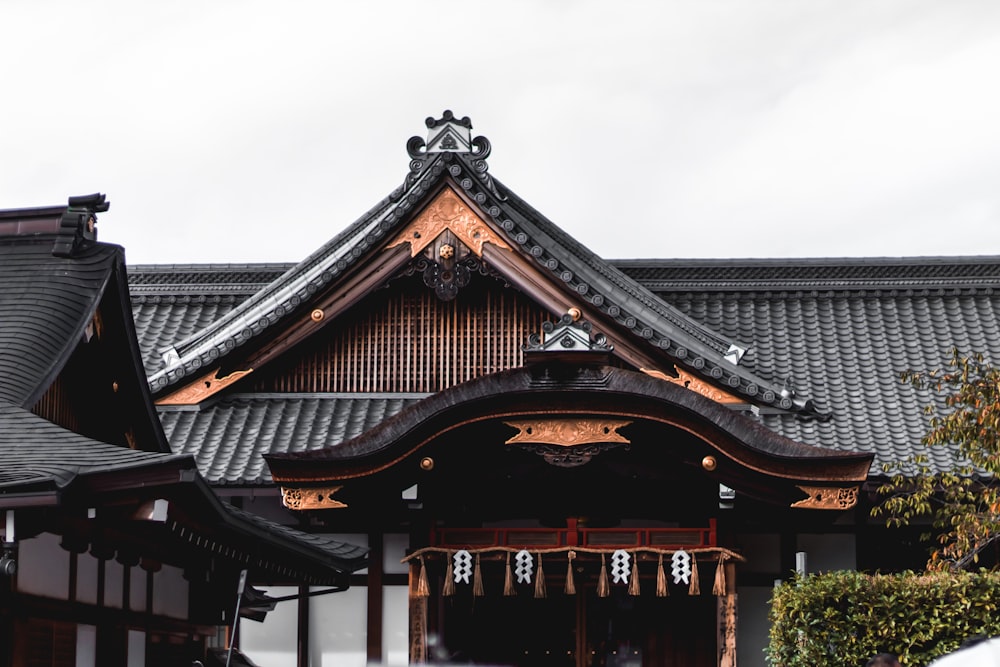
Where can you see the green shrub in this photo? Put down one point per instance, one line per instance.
(843, 618)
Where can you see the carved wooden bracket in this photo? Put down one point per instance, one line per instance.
(202, 388)
(828, 498)
(696, 385)
(448, 212)
(567, 432)
(311, 499)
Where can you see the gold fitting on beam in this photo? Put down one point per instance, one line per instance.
(575, 313)
(709, 463)
(427, 463)
(317, 315)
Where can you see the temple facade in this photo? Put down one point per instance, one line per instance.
(553, 458)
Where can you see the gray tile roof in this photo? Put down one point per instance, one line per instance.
(582, 274)
(228, 438)
(39, 453)
(841, 330)
(171, 302)
(46, 303)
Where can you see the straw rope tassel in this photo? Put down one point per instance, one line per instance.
(603, 589)
(449, 577)
(540, 590)
(477, 580)
(570, 588)
(633, 580)
(719, 588)
(662, 590)
(508, 580)
(423, 588)
(695, 587)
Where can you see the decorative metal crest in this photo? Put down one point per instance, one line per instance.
(450, 135)
(826, 498)
(568, 443)
(311, 499)
(568, 335)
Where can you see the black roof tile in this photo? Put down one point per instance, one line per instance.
(46, 302)
(229, 438)
(841, 331)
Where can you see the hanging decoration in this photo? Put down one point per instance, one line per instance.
(570, 587)
(477, 581)
(463, 566)
(525, 566)
(719, 587)
(680, 567)
(633, 581)
(662, 590)
(508, 580)
(423, 588)
(540, 591)
(603, 589)
(449, 578)
(694, 588)
(619, 566)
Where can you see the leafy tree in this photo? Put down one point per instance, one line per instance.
(962, 500)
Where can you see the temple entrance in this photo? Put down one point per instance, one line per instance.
(581, 630)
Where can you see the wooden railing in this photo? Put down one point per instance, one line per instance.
(575, 535)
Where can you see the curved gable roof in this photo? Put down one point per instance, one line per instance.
(598, 390)
(47, 302)
(646, 320)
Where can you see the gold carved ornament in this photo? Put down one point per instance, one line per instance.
(448, 212)
(696, 385)
(202, 388)
(567, 432)
(311, 499)
(828, 498)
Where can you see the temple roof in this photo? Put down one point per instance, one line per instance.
(570, 270)
(544, 388)
(64, 315)
(841, 330)
(229, 437)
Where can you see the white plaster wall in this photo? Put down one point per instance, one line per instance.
(114, 579)
(136, 648)
(394, 549)
(273, 642)
(86, 578)
(752, 626)
(137, 589)
(338, 634)
(828, 552)
(43, 567)
(86, 646)
(170, 592)
(395, 625)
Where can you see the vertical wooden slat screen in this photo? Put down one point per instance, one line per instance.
(407, 340)
(55, 406)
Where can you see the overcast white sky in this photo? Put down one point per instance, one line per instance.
(236, 131)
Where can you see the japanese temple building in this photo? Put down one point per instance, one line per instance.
(554, 459)
(115, 551)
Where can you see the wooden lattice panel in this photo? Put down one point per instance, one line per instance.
(407, 340)
(55, 405)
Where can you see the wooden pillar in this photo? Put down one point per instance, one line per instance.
(418, 617)
(726, 624)
(376, 548)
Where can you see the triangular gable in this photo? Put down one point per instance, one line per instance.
(449, 192)
(68, 350)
